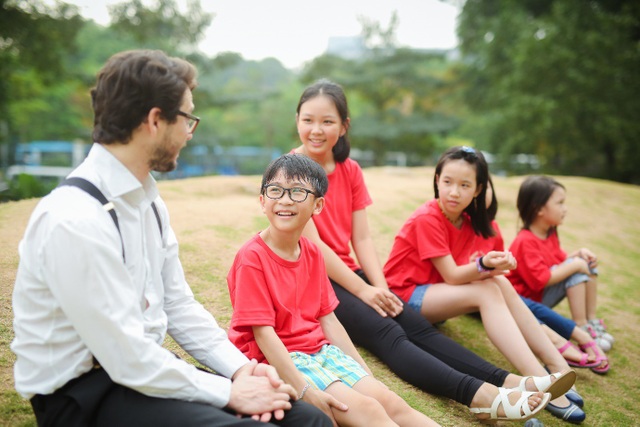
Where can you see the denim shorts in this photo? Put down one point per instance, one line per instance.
(327, 366)
(417, 297)
(553, 294)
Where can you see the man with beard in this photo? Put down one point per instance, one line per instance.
(100, 284)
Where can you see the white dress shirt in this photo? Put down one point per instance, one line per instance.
(75, 298)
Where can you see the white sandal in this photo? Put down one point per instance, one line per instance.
(519, 411)
(557, 388)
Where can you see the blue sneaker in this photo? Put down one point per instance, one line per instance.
(534, 422)
(574, 397)
(571, 413)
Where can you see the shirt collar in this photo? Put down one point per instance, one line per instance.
(121, 182)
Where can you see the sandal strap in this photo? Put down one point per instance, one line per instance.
(565, 347)
(600, 357)
(519, 410)
(591, 344)
(584, 359)
(511, 411)
(594, 346)
(541, 383)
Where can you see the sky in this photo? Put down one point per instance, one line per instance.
(295, 31)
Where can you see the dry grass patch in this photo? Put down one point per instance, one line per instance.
(214, 216)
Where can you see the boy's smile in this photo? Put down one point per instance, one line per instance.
(289, 204)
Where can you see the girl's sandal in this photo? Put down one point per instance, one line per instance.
(600, 358)
(563, 383)
(519, 411)
(584, 357)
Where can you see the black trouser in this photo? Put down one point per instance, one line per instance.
(94, 400)
(415, 350)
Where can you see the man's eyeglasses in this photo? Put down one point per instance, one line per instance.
(297, 194)
(192, 121)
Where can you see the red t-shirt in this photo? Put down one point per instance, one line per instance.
(290, 296)
(426, 234)
(535, 258)
(494, 243)
(347, 193)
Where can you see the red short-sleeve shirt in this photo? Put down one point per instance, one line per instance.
(535, 258)
(426, 234)
(290, 296)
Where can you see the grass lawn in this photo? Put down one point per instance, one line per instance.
(214, 216)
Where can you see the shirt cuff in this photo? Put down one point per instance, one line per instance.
(213, 389)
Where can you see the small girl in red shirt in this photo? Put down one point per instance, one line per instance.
(558, 328)
(545, 273)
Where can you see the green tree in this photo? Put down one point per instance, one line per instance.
(161, 26)
(250, 103)
(398, 92)
(34, 40)
(558, 79)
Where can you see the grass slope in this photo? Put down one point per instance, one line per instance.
(213, 216)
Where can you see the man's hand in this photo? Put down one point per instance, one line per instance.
(257, 390)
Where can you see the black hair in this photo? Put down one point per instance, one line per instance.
(297, 167)
(492, 209)
(534, 193)
(477, 211)
(335, 92)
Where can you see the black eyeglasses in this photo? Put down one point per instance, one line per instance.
(297, 194)
(192, 121)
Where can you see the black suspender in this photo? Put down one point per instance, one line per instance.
(108, 206)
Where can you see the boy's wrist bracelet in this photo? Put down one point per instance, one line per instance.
(481, 267)
(304, 390)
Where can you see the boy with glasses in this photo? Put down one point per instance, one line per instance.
(283, 306)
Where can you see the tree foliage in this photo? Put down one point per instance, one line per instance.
(558, 79)
(400, 92)
(49, 57)
(162, 26)
(34, 40)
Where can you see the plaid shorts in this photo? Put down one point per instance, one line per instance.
(327, 366)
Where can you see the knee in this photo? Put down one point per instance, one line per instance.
(504, 285)
(491, 291)
(393, 404)
(371, 410)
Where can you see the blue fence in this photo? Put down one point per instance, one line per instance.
(55, 159)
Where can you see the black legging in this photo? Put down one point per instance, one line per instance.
(415, 350)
